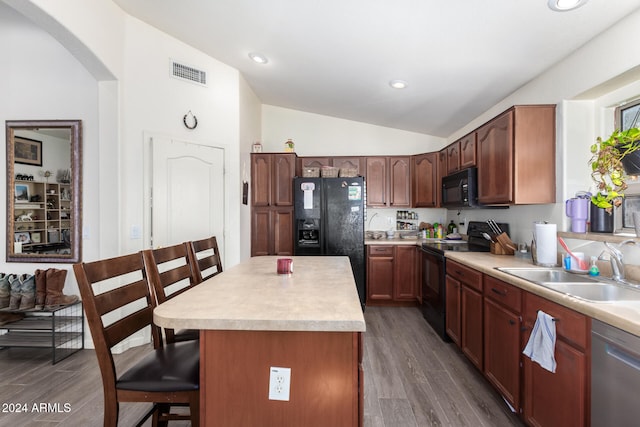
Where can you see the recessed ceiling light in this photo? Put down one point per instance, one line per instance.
(565, 5)
(398, 84)
(258, 57)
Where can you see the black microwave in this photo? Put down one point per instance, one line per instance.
(460, 190)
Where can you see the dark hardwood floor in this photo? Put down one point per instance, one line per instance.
(412, 378)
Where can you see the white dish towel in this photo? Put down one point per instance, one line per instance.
(542, 342)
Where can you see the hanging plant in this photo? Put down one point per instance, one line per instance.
(607, 168)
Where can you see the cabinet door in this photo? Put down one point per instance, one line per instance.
(260, 179)
(495, 160)
(400, 182)
(380, 277)
(282, 227)
(284, 167)
(560, 398)
(453, 158)
(425, 180)
(261, 232)
(471, 325)
(406, 277)
(468, 151)
(502, 351)
(349, 163)
(376, 181)
(452, 309)
(442, 172)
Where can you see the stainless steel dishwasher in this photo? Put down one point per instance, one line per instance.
(615, 376)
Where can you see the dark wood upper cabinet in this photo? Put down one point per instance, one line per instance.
(376, 170)
(400, 181)
(425, 180)
(453, 157)
(468, 151)
(516, 157)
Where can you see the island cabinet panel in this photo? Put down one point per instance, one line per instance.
(560, 398)
(502, 324)
(272, 203)
(516, 156)
(425, 180)
(326, 378)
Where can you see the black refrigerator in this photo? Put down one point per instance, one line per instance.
(329, 220)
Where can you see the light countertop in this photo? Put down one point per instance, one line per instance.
(320, 295)
(623, 315)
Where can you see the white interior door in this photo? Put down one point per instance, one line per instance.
(187, 193)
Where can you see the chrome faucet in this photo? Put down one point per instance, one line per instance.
(616, 257)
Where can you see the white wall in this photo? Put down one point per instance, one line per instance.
(250, 130)
(65, 91)
(318, 135)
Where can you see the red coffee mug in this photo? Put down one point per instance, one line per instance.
(285, 266)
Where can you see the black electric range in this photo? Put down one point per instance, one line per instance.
(475, 242)
(434, 270)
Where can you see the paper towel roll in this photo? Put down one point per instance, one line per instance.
(546, 244)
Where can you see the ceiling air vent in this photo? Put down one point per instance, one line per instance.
(191, 74)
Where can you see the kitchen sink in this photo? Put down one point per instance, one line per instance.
(543, 275)
(576, 285)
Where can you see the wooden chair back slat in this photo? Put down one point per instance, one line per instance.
(205, 258)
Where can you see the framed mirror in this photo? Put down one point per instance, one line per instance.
(44, 191)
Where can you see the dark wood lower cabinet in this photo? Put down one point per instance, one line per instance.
(392, 274)
(496, 323)
(502, 351)
(272, 231)
(471, 318)
(452, 309)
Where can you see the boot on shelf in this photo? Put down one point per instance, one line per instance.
(41, 288)
(55, 282)
(5, 290)
(28, 291)
(15, 295)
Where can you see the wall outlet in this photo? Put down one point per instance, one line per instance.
(279, 383)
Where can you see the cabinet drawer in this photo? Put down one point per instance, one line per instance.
(503, 293)
(468, 276)
(570, 325)
(379, 250)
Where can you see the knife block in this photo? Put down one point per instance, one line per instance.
(503, 246)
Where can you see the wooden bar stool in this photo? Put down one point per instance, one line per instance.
(168, 375)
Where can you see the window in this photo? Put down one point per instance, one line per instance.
(628, 115)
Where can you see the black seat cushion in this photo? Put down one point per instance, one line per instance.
(187, 335)
(174, 367)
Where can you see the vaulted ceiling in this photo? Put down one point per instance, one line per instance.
(336, 57)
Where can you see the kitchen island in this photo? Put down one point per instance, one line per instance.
(252, 319)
